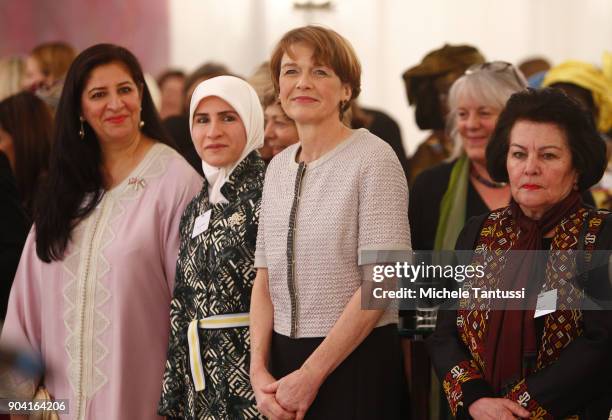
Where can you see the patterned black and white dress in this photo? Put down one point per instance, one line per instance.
(214, 276)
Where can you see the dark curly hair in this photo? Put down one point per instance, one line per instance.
(550, 105)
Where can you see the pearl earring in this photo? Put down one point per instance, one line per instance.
(82, 130)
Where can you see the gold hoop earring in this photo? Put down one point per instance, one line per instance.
(82, 130)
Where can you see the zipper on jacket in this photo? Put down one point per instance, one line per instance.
(291, 248)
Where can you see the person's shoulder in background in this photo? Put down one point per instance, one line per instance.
(177, 127)
(424, 204)
(14, 225)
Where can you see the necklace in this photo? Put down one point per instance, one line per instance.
(486, 182)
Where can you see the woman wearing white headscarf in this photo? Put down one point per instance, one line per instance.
(207, 371)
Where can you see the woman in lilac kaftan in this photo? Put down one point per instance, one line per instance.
(96, 308)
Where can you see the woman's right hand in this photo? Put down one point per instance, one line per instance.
(496, 409)
(266, 402)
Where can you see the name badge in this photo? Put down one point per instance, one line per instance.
(547, 303)
(201, 223)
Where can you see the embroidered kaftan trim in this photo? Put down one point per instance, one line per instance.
(465, 371)
(521, 395)
(85, 293)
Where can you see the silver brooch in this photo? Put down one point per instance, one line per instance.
(137, 183)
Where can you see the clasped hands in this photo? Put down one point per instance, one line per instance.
(287, 398)
(496, 409)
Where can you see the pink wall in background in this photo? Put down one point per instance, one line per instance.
(139, 25)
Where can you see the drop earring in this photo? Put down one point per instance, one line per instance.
(82, 130)
(342, 110)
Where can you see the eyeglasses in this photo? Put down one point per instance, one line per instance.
(497, 67)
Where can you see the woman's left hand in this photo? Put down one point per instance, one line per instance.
(296, 391)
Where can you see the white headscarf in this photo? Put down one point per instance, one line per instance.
(242, 97)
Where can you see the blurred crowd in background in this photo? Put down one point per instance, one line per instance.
(31, 85)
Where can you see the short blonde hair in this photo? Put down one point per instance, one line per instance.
(330, 48)
(261, 81)
(54, 58)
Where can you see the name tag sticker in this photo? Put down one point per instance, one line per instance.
(201, 223)
(547, 303)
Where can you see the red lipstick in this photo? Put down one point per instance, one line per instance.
(116, 120)
(531, 187)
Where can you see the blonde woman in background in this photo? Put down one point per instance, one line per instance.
(447, 195)
(45, 70)
(46, 64)
(280, 130)
(11, 73)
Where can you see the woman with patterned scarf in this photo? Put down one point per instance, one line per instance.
(207, 371)
(505, 364)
